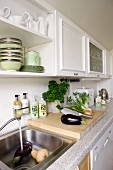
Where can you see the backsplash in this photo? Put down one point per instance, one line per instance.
(33, 86)
(11, 86)
(83, 84)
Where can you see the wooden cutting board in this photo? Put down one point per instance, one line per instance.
(53, 123)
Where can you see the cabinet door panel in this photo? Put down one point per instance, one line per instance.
(72, 49)
(95, 56)
(108, 64)
(85, 164)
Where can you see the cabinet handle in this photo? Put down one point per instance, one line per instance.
(75, 74)
(106, 141)
(98, 76)
(109, 133)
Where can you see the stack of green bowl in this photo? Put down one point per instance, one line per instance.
(11, 54)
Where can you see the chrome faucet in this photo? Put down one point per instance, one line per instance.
(16, 117)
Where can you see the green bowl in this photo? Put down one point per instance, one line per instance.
(12, 65)
(10, 45)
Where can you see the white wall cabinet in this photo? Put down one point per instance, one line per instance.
(108, 64)
(30, 38)
(70, 48)
(95, 59)
(65, 51)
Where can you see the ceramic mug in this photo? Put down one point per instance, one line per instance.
(5, 12)
(42, 25)
(32, 58)
(20, 19)
(32, 24)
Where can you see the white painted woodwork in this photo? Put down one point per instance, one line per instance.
(93, 16)
(108, 68)
(70, 47)
(89, 72)
(29, 37)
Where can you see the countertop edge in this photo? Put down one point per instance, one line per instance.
(74, 155)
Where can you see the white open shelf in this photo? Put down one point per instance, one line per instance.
(29, 37)
(23, 74)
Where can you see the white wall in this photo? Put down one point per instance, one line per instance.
(107, 84)
(85, 84)
(11, 86)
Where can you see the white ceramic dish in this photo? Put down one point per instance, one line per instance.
(10, 65)
(10, 45)
(11, 58)
(11, 54)
(18, 50)
(10, 40)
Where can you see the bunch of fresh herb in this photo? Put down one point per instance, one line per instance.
(56, 91)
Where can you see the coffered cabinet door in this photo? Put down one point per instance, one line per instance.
(70, 47)
(85, 164)
(108, 62)
(95, 55)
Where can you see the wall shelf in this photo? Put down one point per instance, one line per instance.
(23, 74)
(29, 37)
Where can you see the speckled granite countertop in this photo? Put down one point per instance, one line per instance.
(74, 155)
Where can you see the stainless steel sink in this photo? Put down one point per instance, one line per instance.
(9, 144)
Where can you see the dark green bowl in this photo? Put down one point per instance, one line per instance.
(31, 68)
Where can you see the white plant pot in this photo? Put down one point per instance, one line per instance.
(51, 107)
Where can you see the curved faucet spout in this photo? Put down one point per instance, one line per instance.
(15, 118)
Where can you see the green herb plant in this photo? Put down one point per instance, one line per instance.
(56, 92)
(80, 101)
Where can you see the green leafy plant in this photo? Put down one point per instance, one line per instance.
(80, 101)
(56, 91)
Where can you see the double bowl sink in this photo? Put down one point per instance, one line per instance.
(55, 145)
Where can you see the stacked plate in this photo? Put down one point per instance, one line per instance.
(11, 53)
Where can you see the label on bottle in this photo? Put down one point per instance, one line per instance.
(98, 101)
(42, 110)
(103, 102)
(16, 111)
(34, 111)
(25, 103)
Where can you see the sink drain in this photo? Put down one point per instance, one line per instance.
(23, 167)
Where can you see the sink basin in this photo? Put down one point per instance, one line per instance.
(9, 144)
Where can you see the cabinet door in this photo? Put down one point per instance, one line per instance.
(70, 47)
(108, 68)
(85, 164)
(95, 58)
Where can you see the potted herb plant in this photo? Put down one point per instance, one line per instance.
(55, 95)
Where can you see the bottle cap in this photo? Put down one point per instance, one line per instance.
(25, 95)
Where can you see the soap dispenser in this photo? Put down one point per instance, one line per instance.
(25, 104)
(17, 105)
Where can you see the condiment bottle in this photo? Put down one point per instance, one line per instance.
(42, 108)
(104, 101)
(34, 109)
(98, 101)
(17, 105)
